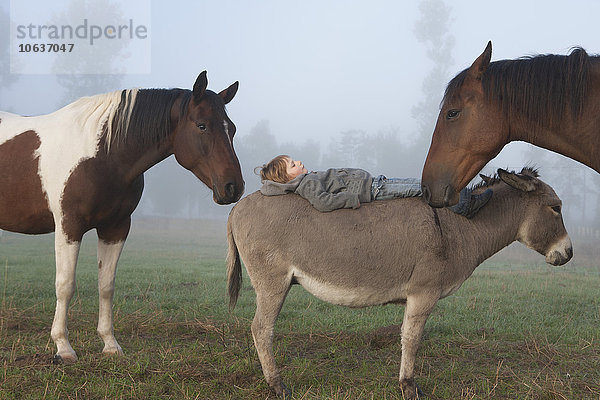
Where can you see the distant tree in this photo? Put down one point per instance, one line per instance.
(310, 154)
(349, 149)
(255, 149)
(165, 189)
(6, 78)
(595, 218)
(390, 156)
(78, 82)
(577, 185)
(432, 29)
(260, 145)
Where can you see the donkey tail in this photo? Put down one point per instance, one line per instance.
(234, 267)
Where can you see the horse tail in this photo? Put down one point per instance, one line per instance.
(234, 267)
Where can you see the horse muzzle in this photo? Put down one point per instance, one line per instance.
(230, 193)
(441, 196)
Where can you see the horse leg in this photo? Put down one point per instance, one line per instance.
(66, 262)
(110, 245)
(268, 306)
(416, 313)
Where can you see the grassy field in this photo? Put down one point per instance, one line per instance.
(513, 331)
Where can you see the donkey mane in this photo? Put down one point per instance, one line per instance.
(538, 88)
(144, 116)
(487, 181)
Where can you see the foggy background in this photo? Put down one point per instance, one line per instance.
(332, 83)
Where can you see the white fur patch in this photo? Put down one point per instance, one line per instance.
(363, 296)
(68, 136)
(561, 246)
(226, 126)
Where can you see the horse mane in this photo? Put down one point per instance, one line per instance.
(144, 116)
(539, 88)
(487, 181)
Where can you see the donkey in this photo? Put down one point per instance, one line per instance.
(393, 251)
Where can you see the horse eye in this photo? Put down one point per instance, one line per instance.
(452, 114)
(201, 126)
(556, 209)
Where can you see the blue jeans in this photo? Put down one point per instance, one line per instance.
(384, 188)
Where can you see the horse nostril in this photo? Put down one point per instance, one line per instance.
(426, 193)
(230, 190)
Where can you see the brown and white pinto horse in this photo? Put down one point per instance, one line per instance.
(551, 101)
(82, 167)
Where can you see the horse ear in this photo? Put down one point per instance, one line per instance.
(485, 178)
(200, 86)
(525, 183)
(228, 94)
(481, 63)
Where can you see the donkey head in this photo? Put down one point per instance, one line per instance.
(542, 228)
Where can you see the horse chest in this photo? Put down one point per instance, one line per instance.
(90, 200)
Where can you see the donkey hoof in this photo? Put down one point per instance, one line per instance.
(287, 393)
(411, 391)
(282, 390)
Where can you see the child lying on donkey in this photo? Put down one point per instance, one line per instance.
(349, 187)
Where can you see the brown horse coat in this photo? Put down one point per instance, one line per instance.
(393, 251)
(81, 168)
(551, 101)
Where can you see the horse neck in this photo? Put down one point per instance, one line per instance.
(577, 138)
(134, 160)
(147, 146)
(570, 140)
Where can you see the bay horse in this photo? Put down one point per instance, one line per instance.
(551, 101)
(82, 167)
(391, 251)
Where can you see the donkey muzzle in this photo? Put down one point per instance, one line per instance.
(561, 252)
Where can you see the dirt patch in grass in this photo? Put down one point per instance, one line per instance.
(384, 336)
(35, 360)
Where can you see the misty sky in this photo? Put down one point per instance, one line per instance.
(316, 68)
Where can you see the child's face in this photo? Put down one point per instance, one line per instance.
(295, 168)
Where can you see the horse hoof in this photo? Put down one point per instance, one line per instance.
(64, 359)
(56, 360)
(113, 351)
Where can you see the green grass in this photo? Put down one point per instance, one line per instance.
(511, 332)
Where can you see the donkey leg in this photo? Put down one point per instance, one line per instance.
(268, 306)
(66, 262)
(110, 245)
(416, 313)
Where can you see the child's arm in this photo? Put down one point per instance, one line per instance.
(322, 200)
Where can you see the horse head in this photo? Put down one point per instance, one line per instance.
(203, 141)
(468, 133)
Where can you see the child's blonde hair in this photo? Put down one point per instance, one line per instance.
(275, 170)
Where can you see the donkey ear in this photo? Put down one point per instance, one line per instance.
(525, 183)
(200, 86)
(481, 63)
(228, 94)
(485, 178)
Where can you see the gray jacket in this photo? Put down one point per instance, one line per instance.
(327, 190)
